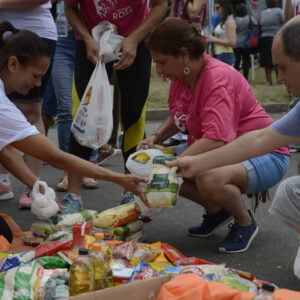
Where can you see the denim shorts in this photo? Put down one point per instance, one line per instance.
(226, 57)
(265, 171)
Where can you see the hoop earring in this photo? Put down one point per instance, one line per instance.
(186, 70)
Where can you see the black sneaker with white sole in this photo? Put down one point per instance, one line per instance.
(211, 223)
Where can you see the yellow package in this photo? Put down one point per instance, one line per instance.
(144, 252)
(117, 216)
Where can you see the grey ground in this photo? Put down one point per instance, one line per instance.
(270, 257)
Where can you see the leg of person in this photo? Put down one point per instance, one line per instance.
(62, 78)
(268, 72)
(134, 87)
(238, 56)
(286, 207)
(246, 62)
(222, 187)
(49, 106)
(82, 72)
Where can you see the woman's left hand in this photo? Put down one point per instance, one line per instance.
(147, 143)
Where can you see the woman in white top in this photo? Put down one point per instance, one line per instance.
(224, 35)
(24, 59)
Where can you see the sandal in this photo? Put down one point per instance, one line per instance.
(62, 186)
(89, 183)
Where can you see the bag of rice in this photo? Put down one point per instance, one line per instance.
(163, 186)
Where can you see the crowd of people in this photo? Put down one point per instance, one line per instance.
(232, 144)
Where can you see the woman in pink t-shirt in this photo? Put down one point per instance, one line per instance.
(213, 104)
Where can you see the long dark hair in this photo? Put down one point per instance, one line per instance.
(227, 9)
(23, 44)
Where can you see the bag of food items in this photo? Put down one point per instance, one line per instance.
(163, 186)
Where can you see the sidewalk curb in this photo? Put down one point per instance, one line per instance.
(162, 114)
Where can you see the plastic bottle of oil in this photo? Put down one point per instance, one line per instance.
(107, 251)
(265, 293)
(81, 274)
(105, 247)
(101, 266)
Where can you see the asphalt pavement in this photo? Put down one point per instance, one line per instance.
(270, 256)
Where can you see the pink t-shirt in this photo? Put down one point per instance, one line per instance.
(127, 15)
(222, 106)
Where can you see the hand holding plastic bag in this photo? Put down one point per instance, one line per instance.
(43, 204)
(105, 34)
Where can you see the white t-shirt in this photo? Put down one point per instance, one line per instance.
(37, 19)
(13, 124)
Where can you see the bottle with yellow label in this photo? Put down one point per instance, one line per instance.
(101, 266)
(81, 274)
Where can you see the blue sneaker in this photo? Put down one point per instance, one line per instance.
(73, 204)
(211, 223)
(127, 197)
(239, 237)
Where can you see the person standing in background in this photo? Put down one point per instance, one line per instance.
(291, 9)
(33, 15)
(224, 35)
(270, 20)
(242, 20)
(134, 20)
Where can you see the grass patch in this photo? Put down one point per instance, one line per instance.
(277, 93)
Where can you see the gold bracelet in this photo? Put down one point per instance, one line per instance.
(158, 136)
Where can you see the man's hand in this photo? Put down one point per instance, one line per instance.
(186, 166)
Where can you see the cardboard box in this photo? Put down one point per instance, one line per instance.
(139, 290)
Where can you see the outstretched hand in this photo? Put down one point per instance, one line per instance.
(132, 183)
(186, 166)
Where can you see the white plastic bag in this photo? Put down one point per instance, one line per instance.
(93, 123)
(105, 34)
(142, 168)
(43, 205)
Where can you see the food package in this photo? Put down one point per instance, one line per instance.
(136, 236)
(66, 222)
(52, 281)
(163, 186)
(21, 282)
(79, 231)
(14, 260)
(139, 163)
(117, 216)
(42, 228)
(62, 235)
(32, 240)
(123, 232)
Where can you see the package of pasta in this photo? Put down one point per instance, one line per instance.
(117, 216)
(163, 186)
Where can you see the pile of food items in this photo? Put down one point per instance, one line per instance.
(110, 245)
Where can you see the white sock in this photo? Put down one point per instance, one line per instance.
(4, 178)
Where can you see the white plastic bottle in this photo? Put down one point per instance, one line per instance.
(265, 293)
(61, 20)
